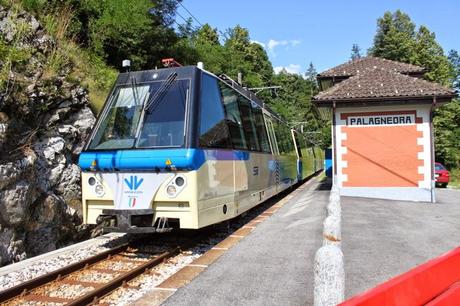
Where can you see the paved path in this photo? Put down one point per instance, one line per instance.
(271, 266)
(382, 239)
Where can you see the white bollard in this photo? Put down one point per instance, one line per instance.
(334, 196)
(334, 209)
(332, 233)
(329, 276)
(335, 188)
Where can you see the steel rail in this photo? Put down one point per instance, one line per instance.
(107, 288)
(34, 283)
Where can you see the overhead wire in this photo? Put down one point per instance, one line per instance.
(196, 19)
(190, 13)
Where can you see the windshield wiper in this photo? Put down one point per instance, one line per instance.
(135, 92)
(154, 101)
(158, 96)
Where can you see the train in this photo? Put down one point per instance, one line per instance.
(181, 147)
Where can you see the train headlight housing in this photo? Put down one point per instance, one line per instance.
(171, 190)
(99, 190)
(175, 186)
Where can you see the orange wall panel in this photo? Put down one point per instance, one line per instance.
(382, 156)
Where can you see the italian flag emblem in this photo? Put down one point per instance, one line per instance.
(132, 202)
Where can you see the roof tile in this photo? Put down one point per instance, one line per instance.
(355, 66)
(381, 83)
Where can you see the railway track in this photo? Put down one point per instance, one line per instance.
(87, 281)
(95, 279)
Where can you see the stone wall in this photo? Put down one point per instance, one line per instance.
(44, 121)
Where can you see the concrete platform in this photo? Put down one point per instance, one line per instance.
(271, 266)
(382, 239)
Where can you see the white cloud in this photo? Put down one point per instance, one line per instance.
(272, 43)
(291, 68)
(258, 42)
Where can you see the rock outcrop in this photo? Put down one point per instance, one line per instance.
(44, 120)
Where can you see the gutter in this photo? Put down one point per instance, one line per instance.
(433, 183)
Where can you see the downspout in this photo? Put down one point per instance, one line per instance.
(334, 147)
(433, 183)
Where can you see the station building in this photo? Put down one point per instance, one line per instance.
(382, 128)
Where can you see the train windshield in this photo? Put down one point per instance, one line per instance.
(148, 115)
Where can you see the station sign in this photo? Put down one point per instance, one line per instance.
(381, 120)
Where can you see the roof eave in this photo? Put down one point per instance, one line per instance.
(384, 100)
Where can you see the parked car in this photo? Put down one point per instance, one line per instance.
(441, 175)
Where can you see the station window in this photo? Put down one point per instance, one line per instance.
(249, 123)
(213, 128)
(234, 121)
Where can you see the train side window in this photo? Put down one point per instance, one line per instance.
(261, 130)
(234, 122)
(213, 128)
(271, 134)
(249, 124)
(280, 137)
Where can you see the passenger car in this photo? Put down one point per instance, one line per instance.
(441, 175)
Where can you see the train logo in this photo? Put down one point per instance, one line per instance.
(133, 183)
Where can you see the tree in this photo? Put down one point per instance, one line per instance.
(395, 37)
(207, 35)
(447, 134)
(430, 55)
(454, 59)
(310, 77)
(355, 52)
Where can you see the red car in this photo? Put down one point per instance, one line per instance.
(441, 175)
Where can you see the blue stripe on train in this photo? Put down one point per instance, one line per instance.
(186, 159)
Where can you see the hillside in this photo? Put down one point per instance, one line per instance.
(44, 119)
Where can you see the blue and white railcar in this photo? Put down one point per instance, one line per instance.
(181, 146)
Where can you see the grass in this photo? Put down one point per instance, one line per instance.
(87, 69)
(455, 178)
(66, 58)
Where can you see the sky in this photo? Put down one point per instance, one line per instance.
(295, 33)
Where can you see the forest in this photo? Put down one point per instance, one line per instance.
(93, 37)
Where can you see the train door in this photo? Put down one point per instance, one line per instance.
(297, 145)
(273, 163)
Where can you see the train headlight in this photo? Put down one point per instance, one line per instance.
(180, 181)
(171, 190)
(92, 181)
(99, 190)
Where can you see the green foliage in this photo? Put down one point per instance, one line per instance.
(207, 35)
(397, 39)
(429, 54)
(310, 76)
(355, 52)
(454, 59)
(455, 178)
(92, 36)
(13, 55)
(447, 132)
(394, 38)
